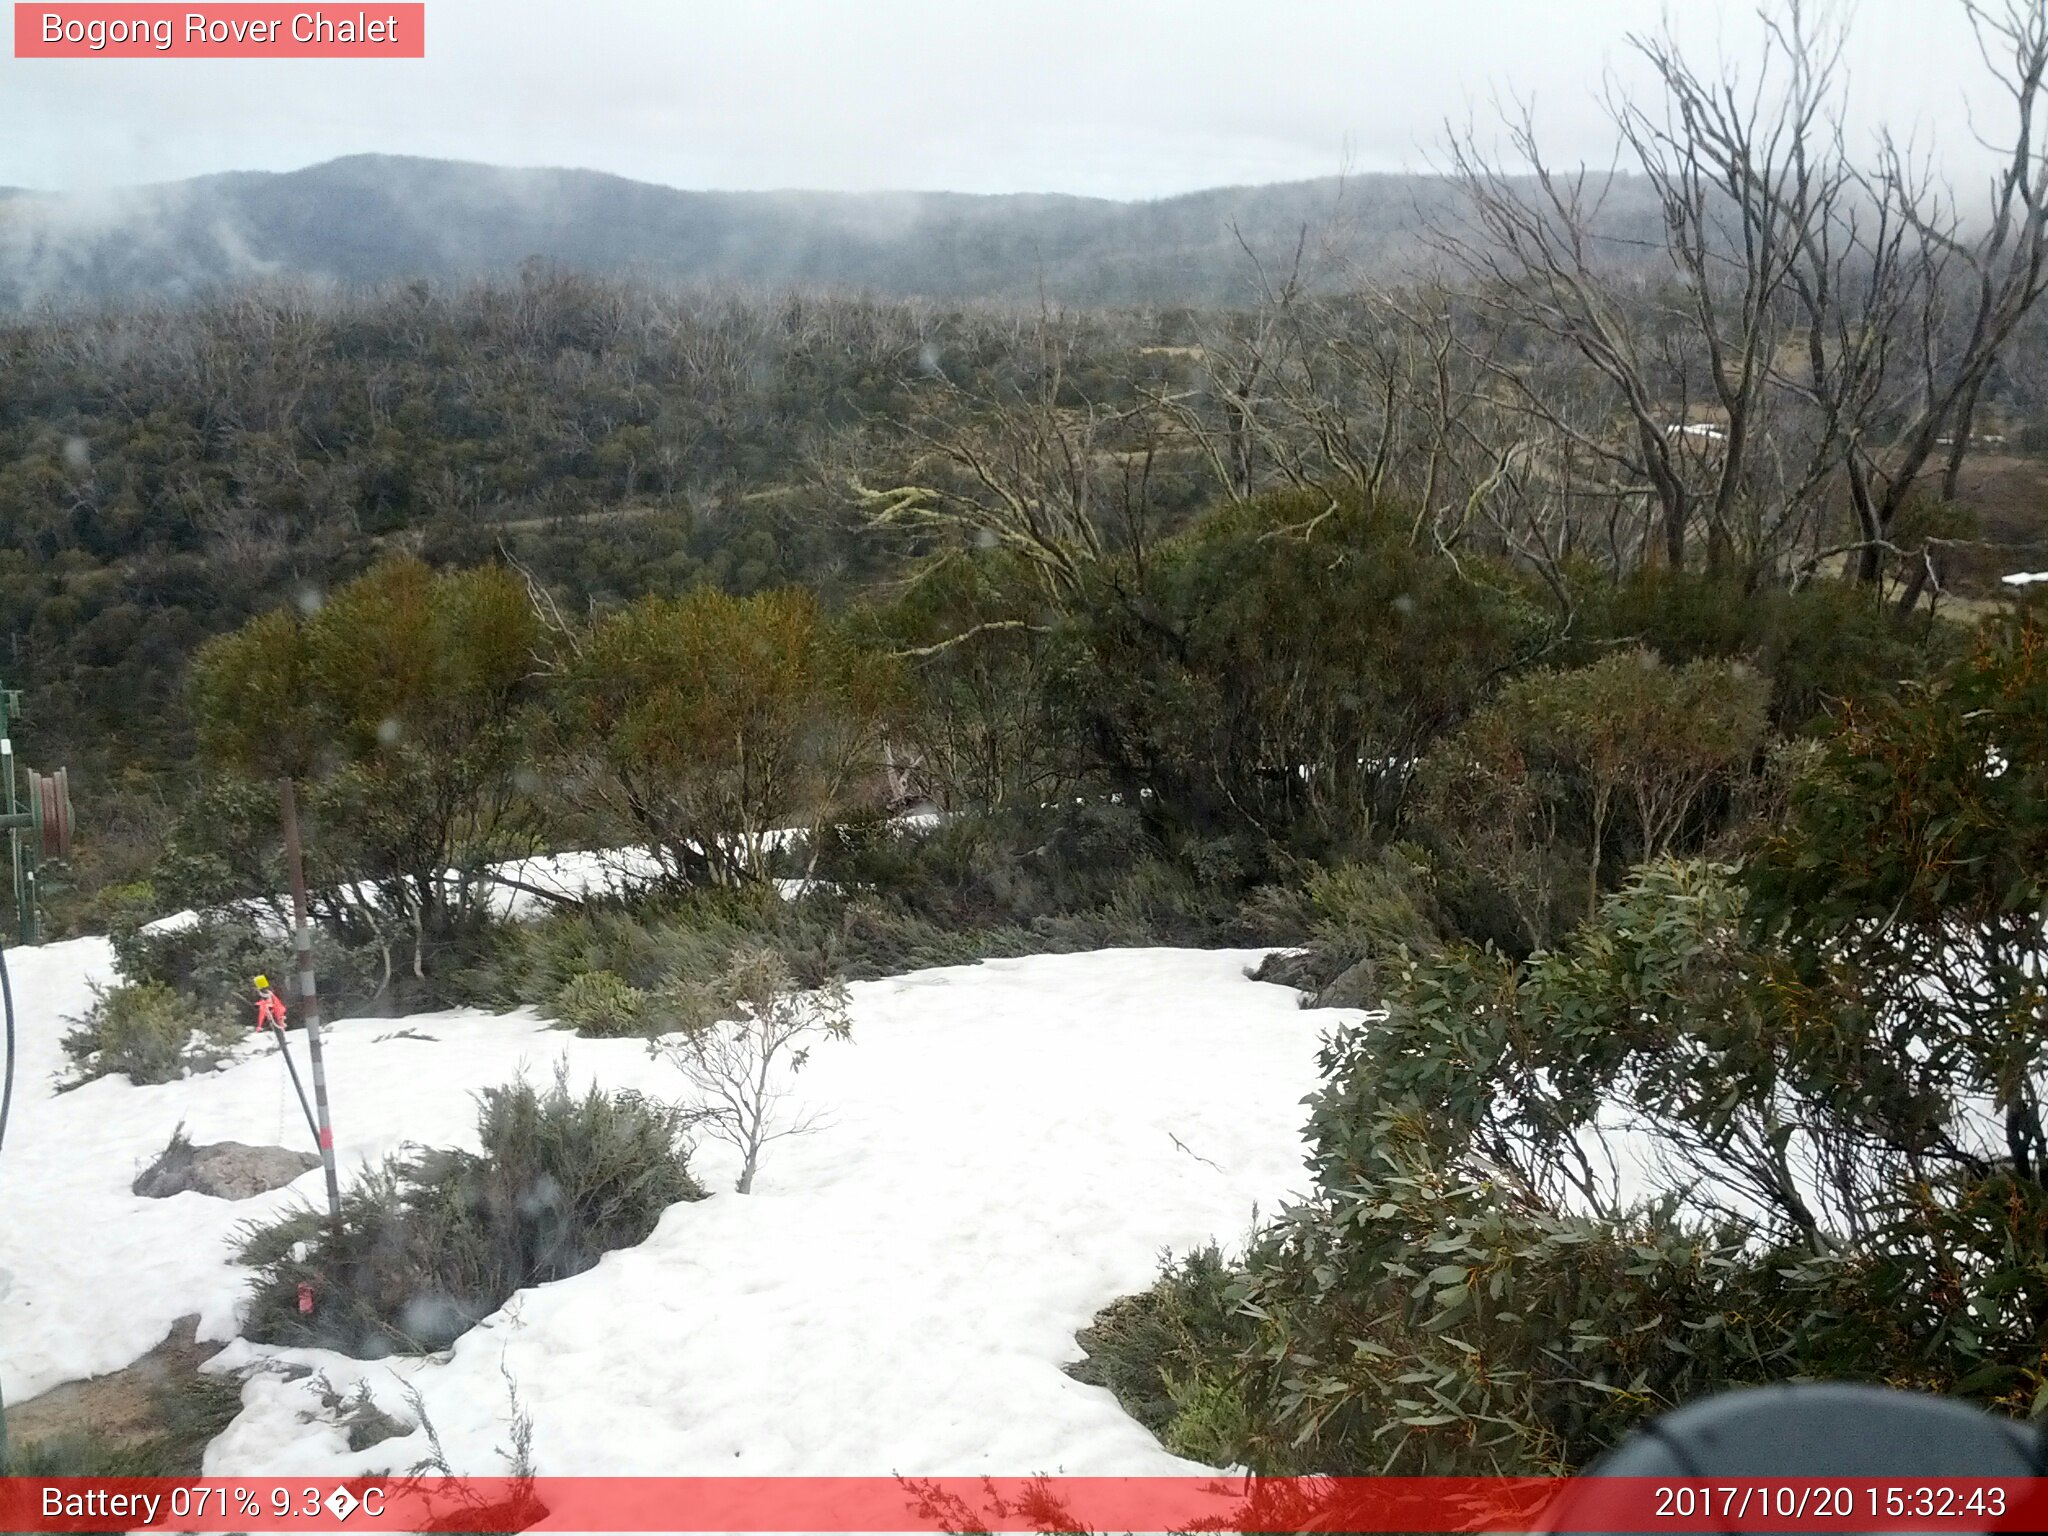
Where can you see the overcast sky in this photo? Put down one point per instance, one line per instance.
(1120, 98)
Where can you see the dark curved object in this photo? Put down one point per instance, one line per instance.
(1818, 1429)
(6, 1073)
(1822, 1429)
(51, 793)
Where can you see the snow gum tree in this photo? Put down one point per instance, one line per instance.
(1910, 880)
(397, 704)
(705, 724)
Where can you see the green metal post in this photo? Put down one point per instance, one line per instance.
(16, 822)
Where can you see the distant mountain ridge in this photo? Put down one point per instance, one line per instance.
(372, 219)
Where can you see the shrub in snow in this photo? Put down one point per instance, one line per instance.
(146, 1031)
(705, 723)
(398, 704)
(601, 1005)
(1018, 883)
(1470, 1288)
(210, 959)
(355, 1414)
(740, 1038)
(451, 1499)
(1564, 779)
(434, 1240)
(1168, 1353)
(1747, 1123)
(657, 937)
(1424, 1319)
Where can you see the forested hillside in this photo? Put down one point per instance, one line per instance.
(372, 219)
(165, 473)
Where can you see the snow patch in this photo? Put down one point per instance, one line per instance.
(996, 1161)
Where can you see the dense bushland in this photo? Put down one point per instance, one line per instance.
(1153, 752)
(1749, 1120)
(1527, 830)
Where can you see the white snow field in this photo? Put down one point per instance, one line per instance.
(530, 882)
(997, 1159)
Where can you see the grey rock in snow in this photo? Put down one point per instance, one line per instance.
(227, 1170)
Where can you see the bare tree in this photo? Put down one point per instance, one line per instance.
(1040, 468)
(1800, 326)
(742, 1037)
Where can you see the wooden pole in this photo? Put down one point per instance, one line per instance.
(309, 995)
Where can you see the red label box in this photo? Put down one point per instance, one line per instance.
(238, 31)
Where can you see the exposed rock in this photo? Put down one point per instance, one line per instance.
(1356, 986)
(228, 1170)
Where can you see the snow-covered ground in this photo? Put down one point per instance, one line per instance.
(525, 884)
(997, 1160)
(528, 883)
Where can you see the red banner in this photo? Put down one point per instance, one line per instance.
(239, 31)
(1104, 1504)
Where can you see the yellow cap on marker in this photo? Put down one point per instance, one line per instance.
(262, 981)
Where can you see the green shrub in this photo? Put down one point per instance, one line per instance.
(642, 943)
(1259, 683)
(1421, 1320)
(436, 1239)
(1091, 863)
(703, 723)
(1167, 1352)
(895, 900)
(399, 704)
(1472, 1289)
(1566, 778)
(209, 960)
(1824, 644)
(113, 908)
(601, 1005)
(212, 959)
(146, 1031)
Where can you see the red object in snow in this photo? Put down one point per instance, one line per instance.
(269, 1010)
(305, 1297)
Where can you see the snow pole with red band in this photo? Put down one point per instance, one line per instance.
(309, 997)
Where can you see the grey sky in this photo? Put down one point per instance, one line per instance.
(1122, 98)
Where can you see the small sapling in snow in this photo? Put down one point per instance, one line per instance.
(740, 1038)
